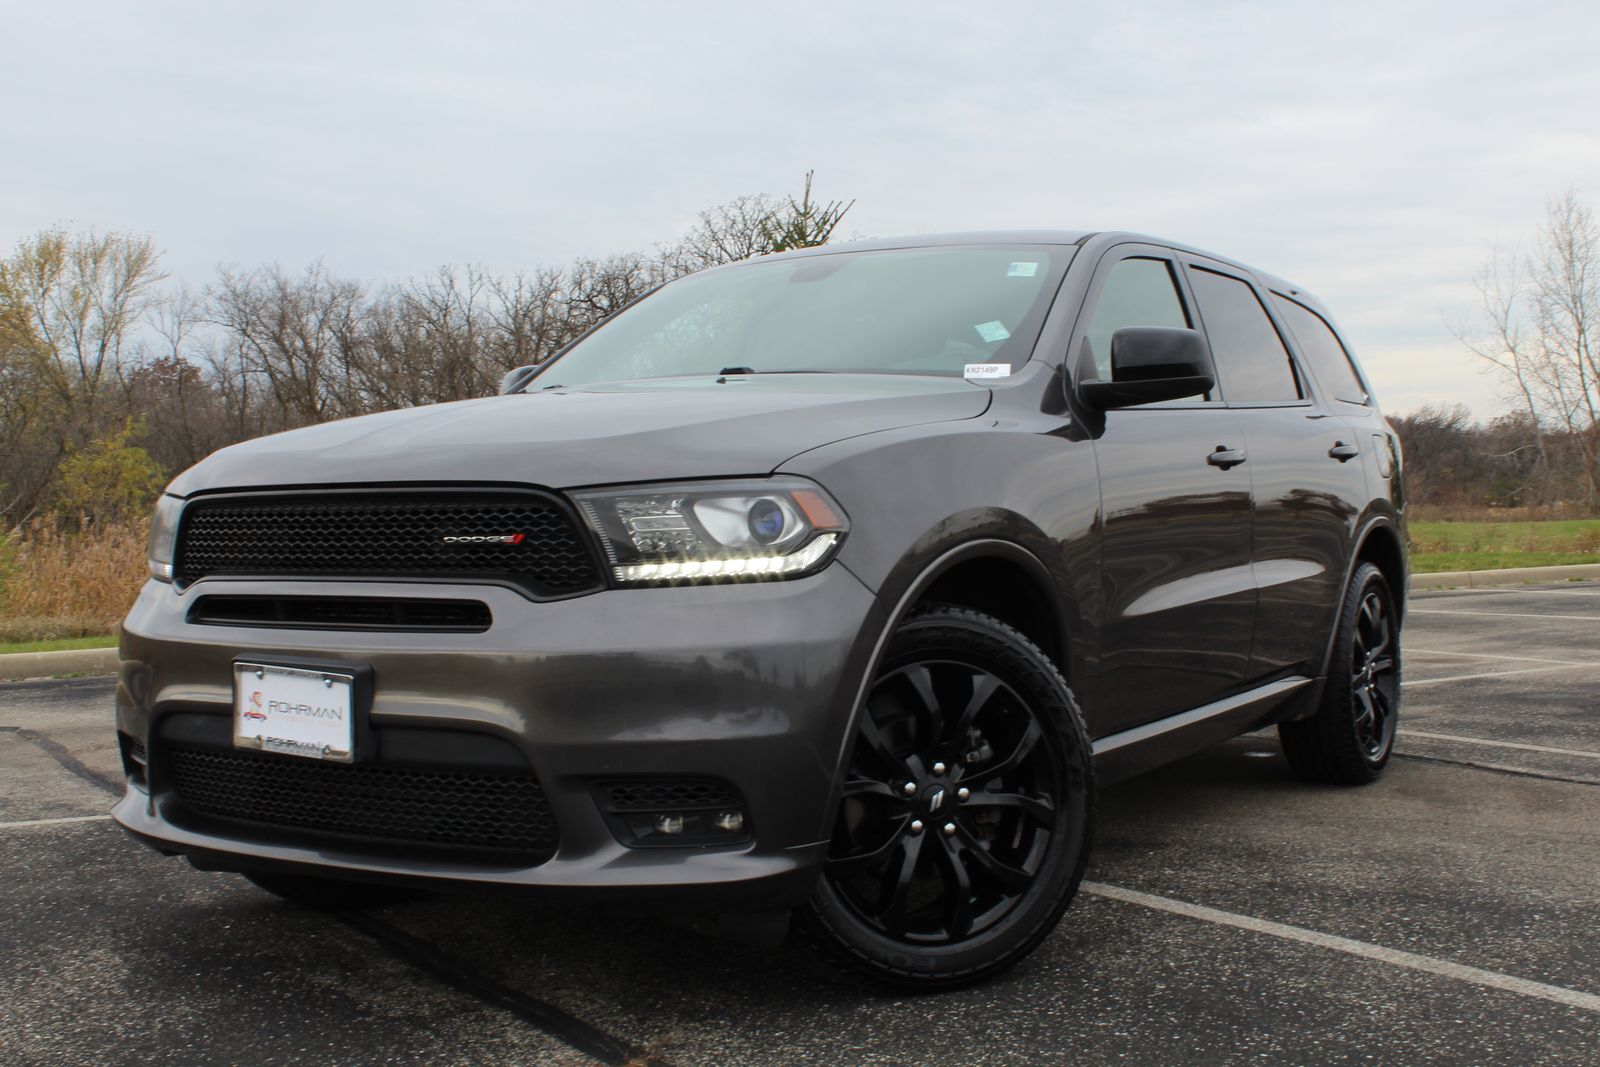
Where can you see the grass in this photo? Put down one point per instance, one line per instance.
(1482, 546)
(60, 644)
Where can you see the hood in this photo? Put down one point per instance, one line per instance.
(595, 435)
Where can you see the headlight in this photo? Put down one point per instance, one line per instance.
(163, 536)
(715, 531)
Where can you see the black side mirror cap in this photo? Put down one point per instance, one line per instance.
(516, 378)
(1151, 364)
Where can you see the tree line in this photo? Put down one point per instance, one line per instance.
(1456, 465)
(112, 378)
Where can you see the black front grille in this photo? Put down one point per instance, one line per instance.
(392, 534)
(342, 613)
(482, 812)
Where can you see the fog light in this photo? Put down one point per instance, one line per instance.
(730, 821)
(669, 824)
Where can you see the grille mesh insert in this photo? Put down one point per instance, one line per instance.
(343, 613)
(469, 810)
(646, 794)
(390, 535)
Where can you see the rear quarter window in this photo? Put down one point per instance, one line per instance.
(1329, 360)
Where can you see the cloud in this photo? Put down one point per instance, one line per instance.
(1368, 151)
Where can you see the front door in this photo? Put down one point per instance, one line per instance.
(1175, 518)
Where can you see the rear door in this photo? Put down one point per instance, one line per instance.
(1307, 481)
(1175, 526)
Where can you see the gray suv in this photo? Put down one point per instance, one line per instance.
(829, 583)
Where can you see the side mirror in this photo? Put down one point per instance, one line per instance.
(1150, 364)
(515, 379)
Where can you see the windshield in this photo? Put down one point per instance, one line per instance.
(928, 311)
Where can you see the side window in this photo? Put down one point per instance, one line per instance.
(1137, 292)
(1249, 354)
(1320, 345)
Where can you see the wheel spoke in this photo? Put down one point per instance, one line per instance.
(1382, 666)
(984, 688)
(1012, 879)
(1382, 644)
(1025, 746)
(958, 891)
(861, 788)
(1369, 612)
(1365, 714)
(873, 738)
(847, 866)
(919, 679)
(897, 885)
(1382, 706)
(1040, 808)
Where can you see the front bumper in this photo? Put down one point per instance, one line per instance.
(749, 684)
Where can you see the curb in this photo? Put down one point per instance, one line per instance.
(15, 666)
(1508, 576)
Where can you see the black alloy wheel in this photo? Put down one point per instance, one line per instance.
(1350, 738)
(964, 818)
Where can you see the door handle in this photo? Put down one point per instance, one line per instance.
(1226, 457)
(1342, 452)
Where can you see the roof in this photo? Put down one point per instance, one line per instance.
(1101, 238)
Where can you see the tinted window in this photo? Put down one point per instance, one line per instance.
(1320, 345)
(1137, 292)
(1249, 354)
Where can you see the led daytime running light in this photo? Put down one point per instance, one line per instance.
(741, 567)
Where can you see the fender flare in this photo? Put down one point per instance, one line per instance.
(1359, 543)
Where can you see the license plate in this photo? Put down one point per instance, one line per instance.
(293, 711)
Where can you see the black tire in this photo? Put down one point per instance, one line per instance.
(1349, 739)
(330, 894)
(938, 889)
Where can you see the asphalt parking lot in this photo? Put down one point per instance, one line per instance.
(1447, 914)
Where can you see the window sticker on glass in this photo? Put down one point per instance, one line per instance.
(1022, 270)
(986, 370)
(992, 331)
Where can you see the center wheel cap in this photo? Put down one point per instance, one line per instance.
(934, 799)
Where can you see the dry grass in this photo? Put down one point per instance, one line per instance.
(57, 583)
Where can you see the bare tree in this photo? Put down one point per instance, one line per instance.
(1539, 328)
(757, 225)
(294, 337)
(726, 233)
(86, 293)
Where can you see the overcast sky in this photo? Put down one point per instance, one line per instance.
(1369, 153)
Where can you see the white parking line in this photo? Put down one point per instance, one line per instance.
(1506, 983)
(1500, 614)
(1502, 744)
(1408, 650)
(1475, 677)
(1505, 591)
(51, 822)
